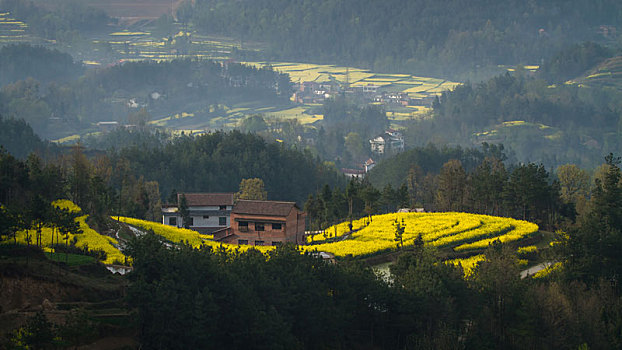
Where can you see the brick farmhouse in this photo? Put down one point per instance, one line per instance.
(256, 222)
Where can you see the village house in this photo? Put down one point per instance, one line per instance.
(257, 223)
(208, 211)
(391, 141)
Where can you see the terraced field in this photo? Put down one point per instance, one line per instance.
(12, 30)
(416, 87)
(460, 231)
(606, 75)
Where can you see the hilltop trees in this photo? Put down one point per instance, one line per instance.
(524, 191)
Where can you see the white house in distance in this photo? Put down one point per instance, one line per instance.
(208, 211)
(389, 141)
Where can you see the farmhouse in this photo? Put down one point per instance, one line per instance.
(256, 222)
(389, 141)
(208, 211)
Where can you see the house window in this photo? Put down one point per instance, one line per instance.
(242, 241)
(205, 216)
(276, 243)
(259, 242)
(243, 226)
(191, 221)
(172, 221)
(222, 221)
(276, 226)
(223, 207)
(259, 226)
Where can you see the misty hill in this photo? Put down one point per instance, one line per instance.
(71, 101)
(19, 62)
(536, 121)
(422, 36)
(607, 74)
(18, 138)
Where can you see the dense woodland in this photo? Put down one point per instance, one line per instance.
(431, 37)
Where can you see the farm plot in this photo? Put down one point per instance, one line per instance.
(417, 87)
(12, 30)
(459, 231)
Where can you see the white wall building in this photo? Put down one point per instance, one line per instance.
(208, 211)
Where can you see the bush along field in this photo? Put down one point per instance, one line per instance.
(106, 248)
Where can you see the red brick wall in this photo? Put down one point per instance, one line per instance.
(292, 229)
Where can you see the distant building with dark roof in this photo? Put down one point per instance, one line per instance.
(208, 211)
(391, 141)
(264, 223)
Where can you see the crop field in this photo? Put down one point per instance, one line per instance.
(12, 30)
(510, 130)
(419, 87)
(181, 235)
(459, 231)
(125, 45)
(608, 74)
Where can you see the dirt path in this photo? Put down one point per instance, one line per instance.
(535, 269)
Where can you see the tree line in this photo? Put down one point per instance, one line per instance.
(461, 180)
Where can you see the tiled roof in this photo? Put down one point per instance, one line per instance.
(269, 208)
(207, 199)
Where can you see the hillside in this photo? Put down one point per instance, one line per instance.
(441, 37)
(84, 303)
(606, 75)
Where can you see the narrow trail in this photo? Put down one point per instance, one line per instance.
(535, 269)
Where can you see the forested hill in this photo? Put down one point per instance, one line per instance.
(535, 120)
(58, 98)
(435, 37)
(18, 138)
(217, 162)
(19, 62)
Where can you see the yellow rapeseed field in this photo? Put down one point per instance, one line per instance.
(461, 231)
(88, 237)
(182, 235)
